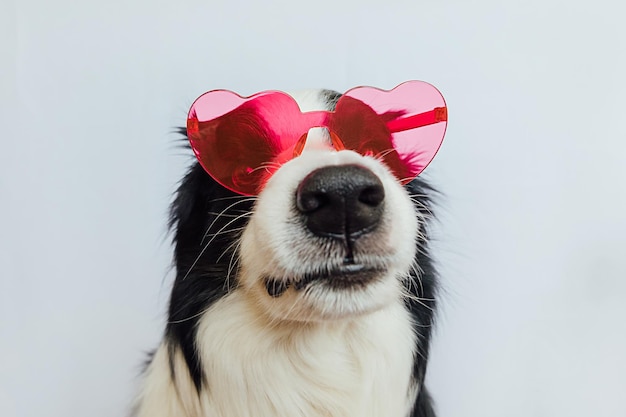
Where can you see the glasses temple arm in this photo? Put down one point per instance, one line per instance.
(436, 115)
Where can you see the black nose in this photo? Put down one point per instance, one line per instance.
(343, 201)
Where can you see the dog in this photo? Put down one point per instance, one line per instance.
(309, 293)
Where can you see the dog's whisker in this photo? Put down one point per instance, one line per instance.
(406, 179)
(416, 195)
(218, 216)
(233, 197)
(268, 167)
(415, 280)
(226, 231)
(417, 275)
(188, 318)
(215, 213)
(233, 263)
(418, 300)
(205, 247)
(381, 155)
(424, 210)
(233, 246)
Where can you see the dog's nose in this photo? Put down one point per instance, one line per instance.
(341, 201)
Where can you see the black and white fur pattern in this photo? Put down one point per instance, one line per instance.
(262, 322)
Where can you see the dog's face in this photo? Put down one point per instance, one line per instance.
(323, 227)
(332, 234)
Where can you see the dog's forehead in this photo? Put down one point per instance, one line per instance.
(311, 99)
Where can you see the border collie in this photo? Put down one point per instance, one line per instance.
(313, 297)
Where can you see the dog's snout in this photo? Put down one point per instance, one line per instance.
(341, 201)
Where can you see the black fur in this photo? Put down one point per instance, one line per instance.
(201, 269)
(331, 97)
(422, 309)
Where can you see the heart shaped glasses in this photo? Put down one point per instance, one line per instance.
(241, 141)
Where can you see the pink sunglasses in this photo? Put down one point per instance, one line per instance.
(241, 141)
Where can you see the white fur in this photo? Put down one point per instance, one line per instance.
(317, 352)
(259, 368)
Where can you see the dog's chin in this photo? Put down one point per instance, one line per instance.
(348, 291)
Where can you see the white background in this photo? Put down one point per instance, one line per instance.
(532, 237)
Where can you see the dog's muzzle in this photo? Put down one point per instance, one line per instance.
(339, 203)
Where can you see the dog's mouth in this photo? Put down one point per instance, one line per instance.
(345, 277)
